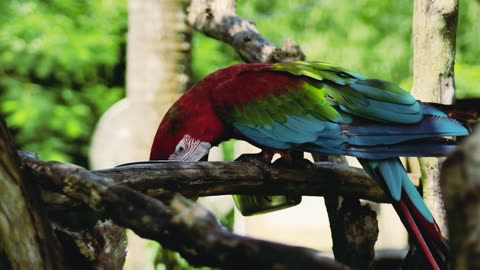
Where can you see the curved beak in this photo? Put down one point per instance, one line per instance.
(204, 158)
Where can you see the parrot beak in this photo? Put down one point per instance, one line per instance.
(204, 158)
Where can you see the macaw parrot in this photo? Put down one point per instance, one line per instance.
(319, 108)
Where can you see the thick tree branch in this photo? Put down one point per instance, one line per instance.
(218, 19)
(184, 226)
(195, 179)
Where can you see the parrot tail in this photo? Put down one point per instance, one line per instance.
(465, 113)
(409, 205)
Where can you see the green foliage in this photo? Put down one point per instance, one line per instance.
(466, 80)
(60, 69)
(228, 149)
(166, 259)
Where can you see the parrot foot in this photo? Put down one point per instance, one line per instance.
(303, 164)
(259, 159)
(259, 204)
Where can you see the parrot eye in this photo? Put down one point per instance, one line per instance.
(180, 148)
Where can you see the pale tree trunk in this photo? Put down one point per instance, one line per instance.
(158, 51)
(158, 59)
(434, 33)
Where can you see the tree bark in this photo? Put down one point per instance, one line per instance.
(26, 237)
(354, 227)
(434, 37)
(218, 19)
(193, 179)
(460, 183)
(184, 226)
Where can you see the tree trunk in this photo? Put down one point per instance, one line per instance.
(434, 33)
(460, 183)
(158, 71)
(26, 238)
(158, 53)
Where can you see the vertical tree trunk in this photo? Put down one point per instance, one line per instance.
(158, 54)
(354, 227)
(26, 237)
(158, 71)
(434, 33)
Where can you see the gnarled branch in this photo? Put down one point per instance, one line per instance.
(183, 226)
(196, 179)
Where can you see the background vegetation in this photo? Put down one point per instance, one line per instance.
(62, 64)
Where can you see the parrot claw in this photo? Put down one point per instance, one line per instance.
(259, 160)
(300, 163)
(258, 204)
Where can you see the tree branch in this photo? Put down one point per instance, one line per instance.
(196, 179)
(218, 19)
(184, 226)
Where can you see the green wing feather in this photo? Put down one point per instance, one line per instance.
(327, 93)
(319, 71)
(373, 99)
(305, 99)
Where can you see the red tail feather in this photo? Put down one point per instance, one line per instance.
(431, 229)
(426, 235)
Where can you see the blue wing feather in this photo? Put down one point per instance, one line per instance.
(384, 134)
(393, 174)
(261, 138)
(409, 149)
(429, 110)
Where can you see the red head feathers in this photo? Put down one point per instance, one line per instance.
(189, 129)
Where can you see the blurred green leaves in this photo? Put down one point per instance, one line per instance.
(61, 66)
(466, 80)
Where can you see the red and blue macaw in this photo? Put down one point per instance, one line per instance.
(319, 108)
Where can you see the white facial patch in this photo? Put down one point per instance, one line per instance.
(190, 149)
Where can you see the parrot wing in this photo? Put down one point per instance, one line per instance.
(317, 107)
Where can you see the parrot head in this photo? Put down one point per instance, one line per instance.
(188, 131)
